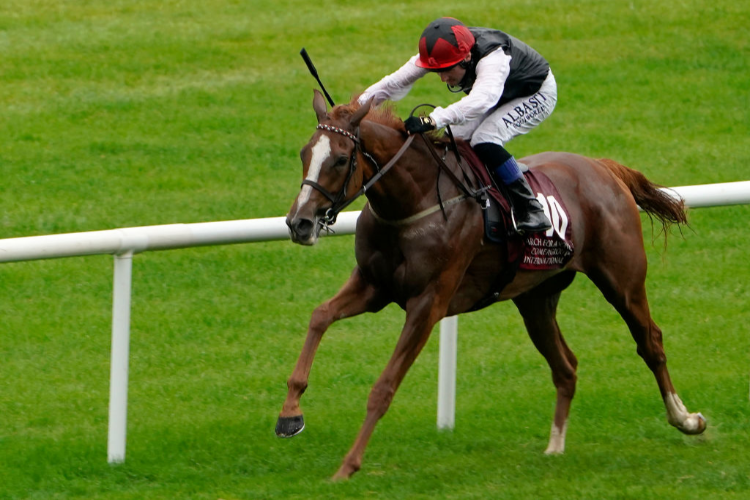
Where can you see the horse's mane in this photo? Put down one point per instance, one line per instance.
(383, 114)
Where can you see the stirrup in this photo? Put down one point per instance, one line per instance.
(545, 225)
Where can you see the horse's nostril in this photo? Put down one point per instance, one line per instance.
(302, 227)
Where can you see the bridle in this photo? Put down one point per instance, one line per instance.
(339, 201)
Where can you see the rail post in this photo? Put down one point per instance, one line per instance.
(118, 378)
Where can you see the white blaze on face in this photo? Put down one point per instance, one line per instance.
(320, 152)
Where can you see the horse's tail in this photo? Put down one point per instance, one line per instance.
(649, 196)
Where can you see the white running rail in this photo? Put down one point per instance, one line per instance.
(126, 242)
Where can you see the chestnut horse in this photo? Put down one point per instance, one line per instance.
(437, 263)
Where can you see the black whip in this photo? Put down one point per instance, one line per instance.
(314, 73)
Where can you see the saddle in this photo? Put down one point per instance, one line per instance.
(535, 251)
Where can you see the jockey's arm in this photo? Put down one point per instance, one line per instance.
(396, 85)
(492, 71)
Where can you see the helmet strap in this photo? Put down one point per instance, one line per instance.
(467, 82)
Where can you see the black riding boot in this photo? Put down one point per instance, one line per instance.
(527, 210)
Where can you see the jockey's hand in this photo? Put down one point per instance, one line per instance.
(419, 124)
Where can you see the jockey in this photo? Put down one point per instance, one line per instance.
(510, 90)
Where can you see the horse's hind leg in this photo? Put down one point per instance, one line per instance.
(355, 297)
(539, 308)
(624, 287)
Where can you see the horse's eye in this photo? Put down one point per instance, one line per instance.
(341, 161)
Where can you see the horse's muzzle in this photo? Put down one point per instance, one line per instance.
(303, 231)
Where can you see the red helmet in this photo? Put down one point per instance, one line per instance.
(444, 43)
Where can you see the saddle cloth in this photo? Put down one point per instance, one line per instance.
(535, 251)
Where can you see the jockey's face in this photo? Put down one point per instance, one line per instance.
(454, 75)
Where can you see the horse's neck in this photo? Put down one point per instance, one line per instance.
(408, 187)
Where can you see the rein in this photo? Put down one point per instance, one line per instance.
(479, 195)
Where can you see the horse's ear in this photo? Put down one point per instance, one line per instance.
(361, 112)
(319, 105)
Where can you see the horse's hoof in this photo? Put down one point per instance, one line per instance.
(701, 425)
(287, 427)
(339, 476)
(343, 474)
(693, 425)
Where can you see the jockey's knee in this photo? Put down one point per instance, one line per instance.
(491, 154)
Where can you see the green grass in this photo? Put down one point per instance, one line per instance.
(130, 113)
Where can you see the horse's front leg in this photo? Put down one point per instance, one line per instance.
(422, 313)
(355, 297)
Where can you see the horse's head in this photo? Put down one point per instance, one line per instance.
(329, 169)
